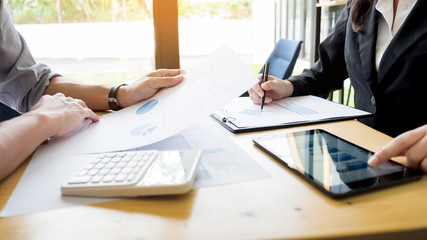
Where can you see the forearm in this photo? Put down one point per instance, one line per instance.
(20, 137)
(95, 96)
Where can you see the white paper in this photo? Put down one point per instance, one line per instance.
(211, 84)
(215, 81)
(223, 162)
(242, 112)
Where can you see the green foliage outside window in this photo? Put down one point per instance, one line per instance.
(58, 11)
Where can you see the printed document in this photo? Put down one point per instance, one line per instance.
(218, 79)
(223, 162)
(243, 113)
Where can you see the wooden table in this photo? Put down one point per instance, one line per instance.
(282, 206)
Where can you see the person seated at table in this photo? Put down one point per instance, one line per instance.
(381, 45)
(50, 104)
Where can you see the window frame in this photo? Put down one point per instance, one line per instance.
(166, 38)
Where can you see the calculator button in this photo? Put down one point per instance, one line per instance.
(99, 166)
(122, 154)
(79, 179)
(113, 169)
(92, 172)
(82, 172)
(126, 170)
(97, 179)
(110, 165)
(121, 165)
(108, 178)
(115, 160)
(120, 177)
(103, 171)
(131, 164)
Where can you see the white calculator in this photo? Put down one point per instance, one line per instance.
(134, 173)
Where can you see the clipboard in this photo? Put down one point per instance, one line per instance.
(241, 115)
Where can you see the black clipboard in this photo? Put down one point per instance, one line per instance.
(228, 120)
(228, 124)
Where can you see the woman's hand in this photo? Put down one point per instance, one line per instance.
(275, 89)
(412, 144)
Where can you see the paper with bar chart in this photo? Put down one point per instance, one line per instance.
(242, 114)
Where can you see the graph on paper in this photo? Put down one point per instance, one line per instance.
(222, 161)
(253, 112)
(146, 107)
(243, 113)
(296, 108)
(143, 130)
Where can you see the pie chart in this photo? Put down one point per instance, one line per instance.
(143, 130)
(146, 107)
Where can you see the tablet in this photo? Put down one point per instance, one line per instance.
(333, 165)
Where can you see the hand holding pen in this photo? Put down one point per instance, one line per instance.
(264, 79)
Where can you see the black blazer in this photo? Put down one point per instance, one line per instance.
(396, 94)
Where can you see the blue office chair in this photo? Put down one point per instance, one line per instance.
(283, 58)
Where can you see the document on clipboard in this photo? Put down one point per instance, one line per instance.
(242, 115)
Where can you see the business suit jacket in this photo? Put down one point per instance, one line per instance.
(396, 93)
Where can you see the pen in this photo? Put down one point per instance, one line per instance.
(264, 79)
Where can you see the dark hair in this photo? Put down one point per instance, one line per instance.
(358, 8)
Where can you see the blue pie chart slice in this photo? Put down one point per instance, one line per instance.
(148, 106)
(143, 130)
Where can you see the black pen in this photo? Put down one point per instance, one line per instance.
(264, 79)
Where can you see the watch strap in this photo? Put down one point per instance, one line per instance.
(112, 97)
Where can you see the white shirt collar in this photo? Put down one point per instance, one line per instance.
(385, 23)
(385, 7)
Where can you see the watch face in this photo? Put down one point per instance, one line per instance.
(112, 100)
(112, 94)
(113, 104)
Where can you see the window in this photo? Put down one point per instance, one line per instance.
(112, 41)
(94, 41)
(247, 26)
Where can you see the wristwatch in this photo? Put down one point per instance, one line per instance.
(112, 97)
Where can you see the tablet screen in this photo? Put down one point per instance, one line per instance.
(335, 166)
